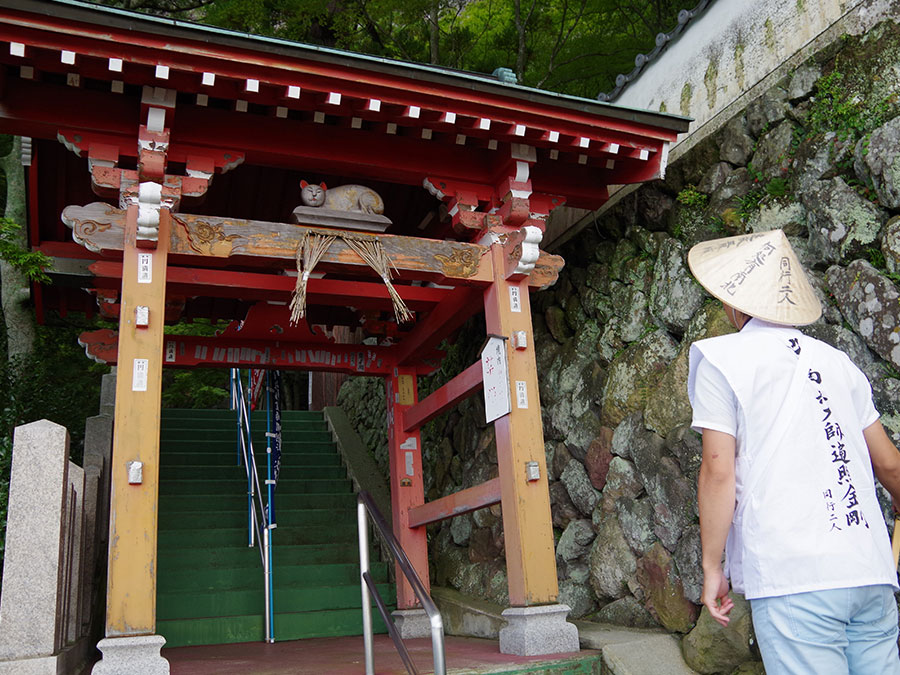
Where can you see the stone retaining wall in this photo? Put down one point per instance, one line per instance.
(816, 155)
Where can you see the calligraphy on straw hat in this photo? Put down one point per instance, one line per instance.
(758, 274)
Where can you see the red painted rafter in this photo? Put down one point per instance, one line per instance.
(443, 320)
(460, 387)
(255, 286)
(33, 110)
(464, 501)
(66, 249)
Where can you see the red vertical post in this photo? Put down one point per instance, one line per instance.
(407, 486)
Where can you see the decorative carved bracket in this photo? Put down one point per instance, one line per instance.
(521, 252)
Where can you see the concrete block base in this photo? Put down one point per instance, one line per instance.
(132, 656)
(536, 631)
(412, 623)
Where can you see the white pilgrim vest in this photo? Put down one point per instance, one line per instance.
(806, 517)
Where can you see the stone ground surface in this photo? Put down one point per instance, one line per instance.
(622, 652)
(345, 656)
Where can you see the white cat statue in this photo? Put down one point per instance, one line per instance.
(342, 198)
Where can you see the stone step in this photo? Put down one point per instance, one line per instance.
(242, 556)
(227, 459)
(213, 579)
(250, 628)
(322, 478)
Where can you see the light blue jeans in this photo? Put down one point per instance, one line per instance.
(834, 632)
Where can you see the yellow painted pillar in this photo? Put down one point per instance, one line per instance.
(527, 523)
(131, 589)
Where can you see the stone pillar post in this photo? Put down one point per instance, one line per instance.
(32, 618)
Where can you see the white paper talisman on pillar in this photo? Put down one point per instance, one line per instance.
(495, 374)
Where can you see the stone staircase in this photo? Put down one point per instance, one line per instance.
(210, 583)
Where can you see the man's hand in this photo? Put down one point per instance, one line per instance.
(715, 494)
(715, 596)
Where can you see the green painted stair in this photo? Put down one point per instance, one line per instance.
(210, 583)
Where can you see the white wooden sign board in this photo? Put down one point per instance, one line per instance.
(495, 374)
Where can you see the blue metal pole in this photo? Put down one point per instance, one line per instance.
(236, 406)
(251, 466)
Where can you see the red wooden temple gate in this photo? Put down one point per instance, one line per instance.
(196, 140)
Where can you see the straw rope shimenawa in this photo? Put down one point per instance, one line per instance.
(312, 248)
(758, 274)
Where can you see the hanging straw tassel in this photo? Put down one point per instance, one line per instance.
(373, 254)
(310, 251)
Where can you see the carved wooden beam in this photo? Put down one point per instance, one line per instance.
(100, 227)
(194, 281)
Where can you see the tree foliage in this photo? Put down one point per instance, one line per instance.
(30, 263)
(55, 382)
(570, 46)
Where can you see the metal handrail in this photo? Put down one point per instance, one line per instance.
(258, 531)
(365, 503)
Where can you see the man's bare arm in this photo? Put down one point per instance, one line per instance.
(885, 459)
(716, 495)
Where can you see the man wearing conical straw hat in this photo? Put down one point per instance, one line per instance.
(786, 488)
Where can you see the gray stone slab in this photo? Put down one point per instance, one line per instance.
(599, 635)
(342, 220)
(31, 602)
(76, 548)
(657, 654)
(98, 438)
(360, 465)
(72, 659)
(539, 630)
(65, 566)
(42, 665)
(412, 623)
(91, 514)
(108, 393)
(467, 616)
(138, 655)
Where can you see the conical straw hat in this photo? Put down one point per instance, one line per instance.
(758, 274)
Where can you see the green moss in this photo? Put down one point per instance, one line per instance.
(770, 34)
(777, 187)
(861, 91)
(739, 64)
(692, 197)
(731, 220)
(709, 80)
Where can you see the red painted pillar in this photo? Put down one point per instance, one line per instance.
(407, 486)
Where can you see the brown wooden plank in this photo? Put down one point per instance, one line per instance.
(464, 501)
